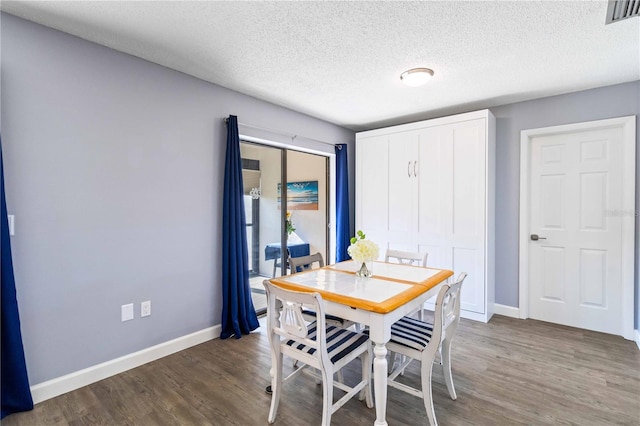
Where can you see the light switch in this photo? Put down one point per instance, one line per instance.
(126, 312)
(11, 224)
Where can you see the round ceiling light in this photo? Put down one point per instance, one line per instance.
(416, 76)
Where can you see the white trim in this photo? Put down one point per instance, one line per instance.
(628, 124)
(69, 382)
(457, 118)
(333, 220)
(490, 224)
(523, 267)
(285, 145)
(475, 316)
(637, 338)
(507, 311)
(628, 225)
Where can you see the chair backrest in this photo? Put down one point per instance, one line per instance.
(406, 257)
(302, 263)
(447, 310)
(284, 318)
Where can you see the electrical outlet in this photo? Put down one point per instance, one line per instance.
(145, 308)
(126, 312)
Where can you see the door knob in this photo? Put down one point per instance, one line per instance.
(535, 237)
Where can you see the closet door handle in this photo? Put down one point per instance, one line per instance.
(415, 163)
(409, 169)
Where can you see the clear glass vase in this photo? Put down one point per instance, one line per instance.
(365, 270)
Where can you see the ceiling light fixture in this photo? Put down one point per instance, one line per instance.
(416, 76)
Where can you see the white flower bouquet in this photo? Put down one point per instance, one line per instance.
(362, 251)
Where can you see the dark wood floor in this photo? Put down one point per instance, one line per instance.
(507, 372)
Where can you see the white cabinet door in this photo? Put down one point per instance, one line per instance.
(403, 190)
(427, 186)
(372, 189)
(434, 182)
(467, 227)
(452, 204)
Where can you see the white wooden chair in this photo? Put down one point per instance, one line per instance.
(408, 258)
(303, 263)
(324, 347)
(420, 340)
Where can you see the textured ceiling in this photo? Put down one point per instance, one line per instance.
(341, 61)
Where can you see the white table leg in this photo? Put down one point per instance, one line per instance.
(380, 383)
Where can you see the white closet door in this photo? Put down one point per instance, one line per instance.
(403, 190)
(439, 176)
(467, 227)
(434, 181)
(372, 189)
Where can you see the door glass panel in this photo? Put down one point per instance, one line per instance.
(306, 202)
(261, 173)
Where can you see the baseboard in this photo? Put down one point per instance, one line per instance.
(507, 311)
(637, 338)
(474, 316)
(58, 386)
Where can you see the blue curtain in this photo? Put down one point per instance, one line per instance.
(238, 314)
(16, 395)
(343, 233)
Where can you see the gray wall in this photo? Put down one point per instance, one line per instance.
(596, 104)
(114, 171)
(113, 168)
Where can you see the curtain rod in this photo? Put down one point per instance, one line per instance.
(291, 135)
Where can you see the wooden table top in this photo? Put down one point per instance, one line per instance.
(391, 286)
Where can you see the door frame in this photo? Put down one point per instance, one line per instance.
(331, 201)
(628, 126)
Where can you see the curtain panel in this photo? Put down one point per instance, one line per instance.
(343, 233)
(15, 391)
(238, 314)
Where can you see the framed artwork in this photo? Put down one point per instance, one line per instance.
(301, 195)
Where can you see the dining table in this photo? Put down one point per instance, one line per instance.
(272, 251)
(394, 290)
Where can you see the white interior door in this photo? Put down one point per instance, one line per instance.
(577, 271)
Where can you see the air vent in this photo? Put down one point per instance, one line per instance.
(622, 9)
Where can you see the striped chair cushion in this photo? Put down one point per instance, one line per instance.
(412, 333)
(328, 317)
(340, 342)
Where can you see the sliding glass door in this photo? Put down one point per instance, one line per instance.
(293, 215)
